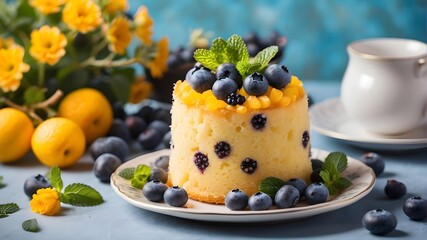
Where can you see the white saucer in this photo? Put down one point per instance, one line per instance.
(330, 119)
(362, 177)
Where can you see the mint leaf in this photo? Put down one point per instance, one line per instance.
(127, 173)
(342, 183)
(206, 58)
(30, 225)
(219, 49)
(142, 169)
(247, 68)
(335, 163)
(79, 194)
(2, 185)
(55, 179)
(271, 185)
(142, 173)
(338, 159)
(325, 176)
(8, 208)
(265, 56)
(237, 50)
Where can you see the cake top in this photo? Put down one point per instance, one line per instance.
(226, 78)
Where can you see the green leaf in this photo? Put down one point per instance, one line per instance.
(342, 183)
(324, 174)
(120, 87)
(30, 225)
(271, 185)
(34, 95)
(219, 49)
(8, 208)
(78, 194)
(127, 173)
(237, 49)
(142, 169)
(335, 163)
(141, 175)
(54, 176)
(247, 68)
(264, 57)
(206, 58)
(338, 159)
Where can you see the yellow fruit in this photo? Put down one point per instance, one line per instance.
(16, 129)
(58, 142)
(90, 110)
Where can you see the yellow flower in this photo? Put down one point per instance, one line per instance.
(159, 64)
(47, 45)
(140, 90)
(47, 6)
(6, 43)
(144, 24)
(46, 202)
(116, 6)
(82, 15)
(119, 35)
(11, 67)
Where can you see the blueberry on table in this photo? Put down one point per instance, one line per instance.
(34, 183)
(145, 112)
(224, 87)
(119, 129)
(113, 145)
(200, 79)
(316, 193)
(379, 221)
(260, 201)
(175, 196)
(136, 125)
(287, 197)
(154, 190)
(394, 189)
(150, 139)
(278, 76)
(299, 184)
(118, 111)
(236, 200)
(159, 126)
(374, 161)
(229, 70)
(167, 139)
(415, 208)
(255, 84)
(105, 165)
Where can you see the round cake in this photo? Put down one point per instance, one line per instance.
(233, 139)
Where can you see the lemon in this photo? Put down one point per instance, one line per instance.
(16, 129)
(90, 110)
(58, 142)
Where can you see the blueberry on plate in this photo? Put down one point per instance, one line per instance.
(158, 174)
(374, 161)
(415, 208)
(278, 76)
(200, 79)
(299, 184)
(316, 193)
(236, 200)
(229, 70)
(260, 201)
(316, 164)
(394, 189)
(223, 87)
(105, 165)
(154, 190)
(34, 183)
(162, 162)
(287, 197)
(175, 196)
(379, 221)
(255, 84)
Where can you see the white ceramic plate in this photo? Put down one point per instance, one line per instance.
(362, 177)
(330, 119)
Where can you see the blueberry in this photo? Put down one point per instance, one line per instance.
(118, 111)
(224, 87)
(162, 162)
(248, 165)
(159, 126)
(136, 125)
(229, 70)
(201, 161)
(200, 79)
(154, 190)
(163, 115)
(159, 174)
(222, 149)
(150, 139)
(374, 161)
(259, 201)
(187, 55)
(34, 183)
(278, 76)
(145, 112)
(305, 139)
(174, 60)
(415, 208)
(287, 197)
(394, 189)
(299, 184)
(175, 196)
(315, 176)
(379, 221)
(316, 193)
(167, 139)
(235, 99)
(236, 200)
(316, 164)
(255, 84)
(251, 37)
(105, 165)
(119, 129)
(258, 121)
(253, 49)
(113, 145)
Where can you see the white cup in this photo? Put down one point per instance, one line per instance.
(385, 84)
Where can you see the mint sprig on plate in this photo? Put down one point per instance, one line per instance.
(270, 186)
(76, 194)
(138, 175)
(234, 50)
(335, 164)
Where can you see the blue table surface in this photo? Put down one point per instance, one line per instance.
(116, 219)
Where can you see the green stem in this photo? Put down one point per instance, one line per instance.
(41, 74)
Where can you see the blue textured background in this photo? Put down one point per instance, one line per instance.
(317, 31)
